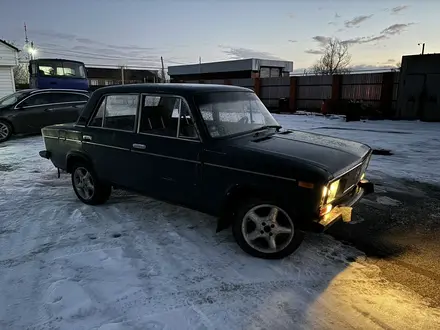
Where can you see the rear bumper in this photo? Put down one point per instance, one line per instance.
(45, 154)
(343, 209)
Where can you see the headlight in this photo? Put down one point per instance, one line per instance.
(329, 192)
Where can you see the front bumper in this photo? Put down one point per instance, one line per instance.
(343, 208)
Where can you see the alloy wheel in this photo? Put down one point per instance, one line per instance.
(83, 182)
(267, 228)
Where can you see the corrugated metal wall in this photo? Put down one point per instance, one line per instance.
(311, 90)
(273, 89)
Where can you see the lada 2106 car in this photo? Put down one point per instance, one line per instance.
(216, 149)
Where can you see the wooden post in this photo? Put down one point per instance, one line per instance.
(292, 94)
(257, 86)
(386, 94)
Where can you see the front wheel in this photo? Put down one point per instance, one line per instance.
(5, 131)
(265, 230)
(87, 186)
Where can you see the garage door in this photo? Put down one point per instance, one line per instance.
(6, 81)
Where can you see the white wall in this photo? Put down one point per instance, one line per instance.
(8, 56)
(8, 60)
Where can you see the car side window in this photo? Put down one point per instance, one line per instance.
(38, 99)
(117, 111)
(69, 97)
(161, 117)
(187, 127)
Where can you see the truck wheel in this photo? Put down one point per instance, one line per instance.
(5, 131)
(87, 186)
(264, 230)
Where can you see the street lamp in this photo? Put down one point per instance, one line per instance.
(423, 47)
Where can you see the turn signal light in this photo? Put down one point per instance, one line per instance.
(325, 209)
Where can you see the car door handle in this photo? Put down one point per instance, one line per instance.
(87, 138)
(139, 146)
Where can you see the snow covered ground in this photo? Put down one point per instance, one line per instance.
(414, 144)
(136, 263)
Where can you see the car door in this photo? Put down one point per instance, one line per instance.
(66, 106)
(109, 135)
(168, 141)
(33, 113)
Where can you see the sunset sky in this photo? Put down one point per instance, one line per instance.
(138, 32)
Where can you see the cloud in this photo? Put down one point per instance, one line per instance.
(291, 16)
(332, 23)
(357, 20)
(314, 51)
(398, 9)
(391, 61)
(361, 68)
(241, 53)
(386, 33)
(290, 40)
(395, 29)
(337, 16)
(363, 40)
(322, 40)
(370, 67)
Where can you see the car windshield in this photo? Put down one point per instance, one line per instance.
(233, 113)
(11, 99)
(47, 68)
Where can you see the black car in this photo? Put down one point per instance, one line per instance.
(216, 149)
(28, 111)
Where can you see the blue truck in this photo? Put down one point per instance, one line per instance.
(57, 73)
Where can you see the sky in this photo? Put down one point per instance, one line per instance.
(139, 32)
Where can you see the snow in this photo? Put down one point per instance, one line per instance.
(414, 144)
(137, 263)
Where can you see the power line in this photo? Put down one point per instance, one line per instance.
(65, 52)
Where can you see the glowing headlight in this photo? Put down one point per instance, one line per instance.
(329, 193)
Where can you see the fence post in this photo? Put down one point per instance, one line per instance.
(292, 94)
(386, 94)
(257, 86)
(336, 87)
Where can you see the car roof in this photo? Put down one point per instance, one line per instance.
(35, 90)
(170, 88)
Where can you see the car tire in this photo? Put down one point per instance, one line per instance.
(5, 131)
(87, 186)
(265, 230)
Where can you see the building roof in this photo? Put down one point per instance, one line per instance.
(9, 45)
(248, 64)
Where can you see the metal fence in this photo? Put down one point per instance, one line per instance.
(310, 91)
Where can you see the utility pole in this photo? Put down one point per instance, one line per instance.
(163, 70)
(423, 47)
(122, 75)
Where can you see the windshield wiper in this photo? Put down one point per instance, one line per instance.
(259, 129)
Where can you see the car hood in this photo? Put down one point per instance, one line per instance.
(334, 155)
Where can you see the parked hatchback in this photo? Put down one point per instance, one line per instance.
(28, 111)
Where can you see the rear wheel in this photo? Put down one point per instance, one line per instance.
(265, 230)
(5, 131)
(88, 188)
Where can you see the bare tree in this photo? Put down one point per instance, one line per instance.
(335, 59)
(21, 73)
